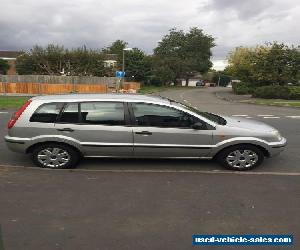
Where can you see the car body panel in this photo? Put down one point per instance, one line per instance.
(100, 140)
(128, 141)
(172, 142)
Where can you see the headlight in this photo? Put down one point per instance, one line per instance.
(278, 135)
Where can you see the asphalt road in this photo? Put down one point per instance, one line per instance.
(152, 204)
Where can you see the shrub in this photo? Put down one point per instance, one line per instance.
(242, 88)
(294, 92)
(277, 92)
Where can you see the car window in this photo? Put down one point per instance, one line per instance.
(47, 113)
(212, 117)
(70, 114)
(161, 116)
(106, 113)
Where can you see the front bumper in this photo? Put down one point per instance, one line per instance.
(275, 148)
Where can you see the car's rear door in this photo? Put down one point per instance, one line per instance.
(100, 127)
(161, 131)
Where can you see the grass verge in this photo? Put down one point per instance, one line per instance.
(155, 89)
(274, 102)
(151, 89)
(12, 101)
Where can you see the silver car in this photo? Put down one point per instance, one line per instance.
(58, 130)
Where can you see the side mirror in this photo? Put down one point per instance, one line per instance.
(197, 125)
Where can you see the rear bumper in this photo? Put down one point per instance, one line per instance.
(17, 144)
(275, 148)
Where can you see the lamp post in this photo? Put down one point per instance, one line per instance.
(123, 64)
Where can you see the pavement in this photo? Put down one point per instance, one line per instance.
(152, 204)
(227, 95)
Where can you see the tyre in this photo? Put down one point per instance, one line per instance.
(241, 157)
(58, 156)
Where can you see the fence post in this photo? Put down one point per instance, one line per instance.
(4, 85)
(40, 88)
(73, 84)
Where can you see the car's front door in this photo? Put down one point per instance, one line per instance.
(161, 131)
(100, 127)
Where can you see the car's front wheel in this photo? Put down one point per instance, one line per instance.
(241, 157)
(54, 155)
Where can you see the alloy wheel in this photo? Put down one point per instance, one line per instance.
(53, 157)
(242, 159)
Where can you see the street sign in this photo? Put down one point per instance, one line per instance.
(120, 74)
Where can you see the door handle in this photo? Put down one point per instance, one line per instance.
(65, 129)
(143, 133)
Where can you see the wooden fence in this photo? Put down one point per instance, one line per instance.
(58, 79)
(61, 85)
(46, 88)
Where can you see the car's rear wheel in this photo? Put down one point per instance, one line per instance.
(241, 157)
(54, 155)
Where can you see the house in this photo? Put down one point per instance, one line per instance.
(196, 77)
(110, 61)
(10, 57)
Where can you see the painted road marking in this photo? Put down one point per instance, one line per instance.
(271, 117)
(268, 116)
(3, 112)
(294, 116)
(214, 171)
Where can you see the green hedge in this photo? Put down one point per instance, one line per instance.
(242, 88)
(295, 92)
(277, 92)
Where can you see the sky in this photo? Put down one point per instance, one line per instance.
(142, 23)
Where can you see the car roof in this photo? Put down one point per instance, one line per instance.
(102, 97)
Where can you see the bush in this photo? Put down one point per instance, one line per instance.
(294, 92)
(242, 88)
(277, 92)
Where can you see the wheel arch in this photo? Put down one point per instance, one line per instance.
(30, 149)
(261, 148)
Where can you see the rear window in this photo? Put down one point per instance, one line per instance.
(47, 113)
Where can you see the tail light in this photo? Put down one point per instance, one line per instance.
(17, 114)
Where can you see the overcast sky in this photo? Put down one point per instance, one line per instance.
(97, 23)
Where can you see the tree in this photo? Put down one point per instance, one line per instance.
(4, 66)
(116, 48)
(276, 64)
(25, 65)
(56, 60)
(221, 79)
(270, 64)
(84, 62)
(185, 53)
(240, 63)
(137, 65)
(163, 71)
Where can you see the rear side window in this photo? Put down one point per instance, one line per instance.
(106, 113)
(47, 113)
(70, 114)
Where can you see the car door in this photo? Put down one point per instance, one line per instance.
(162, 131)
(100, 127)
